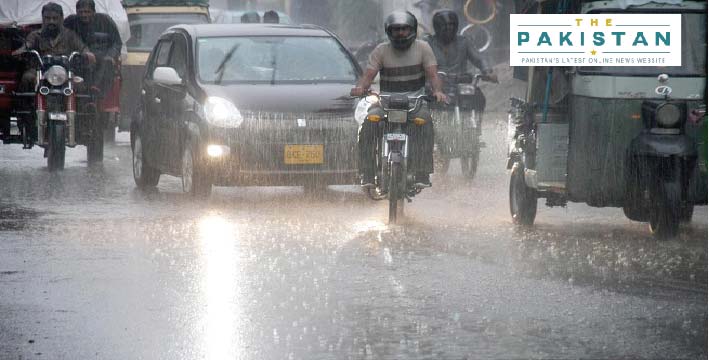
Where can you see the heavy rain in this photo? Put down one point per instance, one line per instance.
(212, 201)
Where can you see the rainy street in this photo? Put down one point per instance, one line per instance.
(91, 268)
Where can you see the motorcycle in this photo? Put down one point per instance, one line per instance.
(394, 114)
(54, 123)
(458, 124)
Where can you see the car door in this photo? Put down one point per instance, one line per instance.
(174, 101)
(153, 107)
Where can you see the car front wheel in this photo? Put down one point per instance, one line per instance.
(144, 175)
(194, 178)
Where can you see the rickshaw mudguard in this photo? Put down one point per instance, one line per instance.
(650, 153)
(663, 145)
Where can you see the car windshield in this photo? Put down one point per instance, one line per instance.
(145, 29)
(269, 59)
(694, 53)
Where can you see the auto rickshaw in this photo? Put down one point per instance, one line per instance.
(148, 19)
(614, 136)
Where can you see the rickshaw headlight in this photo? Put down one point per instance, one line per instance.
(56, 75)
(668, 116)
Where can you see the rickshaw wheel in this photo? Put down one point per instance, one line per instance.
(686, 213)
(665, 217)
(523, 199)
(56, 148)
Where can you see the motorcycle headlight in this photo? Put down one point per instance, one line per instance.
(466, 89)
(56, 75)
(361, 110)
(372, 99)
(668, 116)
(221, 112)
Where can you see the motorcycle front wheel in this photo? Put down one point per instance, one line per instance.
(395, 193)
(56, 147)
(469, 165)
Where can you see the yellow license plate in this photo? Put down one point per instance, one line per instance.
(303, 154)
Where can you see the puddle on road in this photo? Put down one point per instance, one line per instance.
(13, 218)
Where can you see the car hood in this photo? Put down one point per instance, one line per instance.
(286, 98)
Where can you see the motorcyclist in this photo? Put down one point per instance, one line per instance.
(453, 51)
(51, 39)
(271, 17)
(404, 64)
(250, 17)
(100, 34)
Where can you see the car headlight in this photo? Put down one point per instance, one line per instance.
(221, 112)
(668, 116)
(56, 75)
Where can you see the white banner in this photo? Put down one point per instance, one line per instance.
(595, 40)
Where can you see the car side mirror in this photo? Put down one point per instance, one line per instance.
(166, 76)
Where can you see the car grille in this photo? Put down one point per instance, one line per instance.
(263, 136)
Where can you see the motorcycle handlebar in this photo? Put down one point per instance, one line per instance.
(71, 56)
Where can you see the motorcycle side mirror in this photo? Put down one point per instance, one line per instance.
(465, 78)
(166, 76)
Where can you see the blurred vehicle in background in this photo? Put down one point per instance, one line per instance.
(219, 16)
(148, 19)
(251, 104)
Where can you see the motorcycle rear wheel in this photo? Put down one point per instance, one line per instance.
(56, 148)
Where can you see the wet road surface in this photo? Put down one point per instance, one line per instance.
(92, 268)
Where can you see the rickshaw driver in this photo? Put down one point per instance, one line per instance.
(51, 39)
(403, 64)
(100, 34)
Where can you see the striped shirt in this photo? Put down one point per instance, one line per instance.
(402, 70)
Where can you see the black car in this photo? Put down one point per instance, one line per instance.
(257, 104)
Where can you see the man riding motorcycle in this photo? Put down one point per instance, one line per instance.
(51, 39)
(100, 34)
(404, 64)
(453, 52)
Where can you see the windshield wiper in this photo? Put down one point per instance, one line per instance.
(222, 64)
(273, 64)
